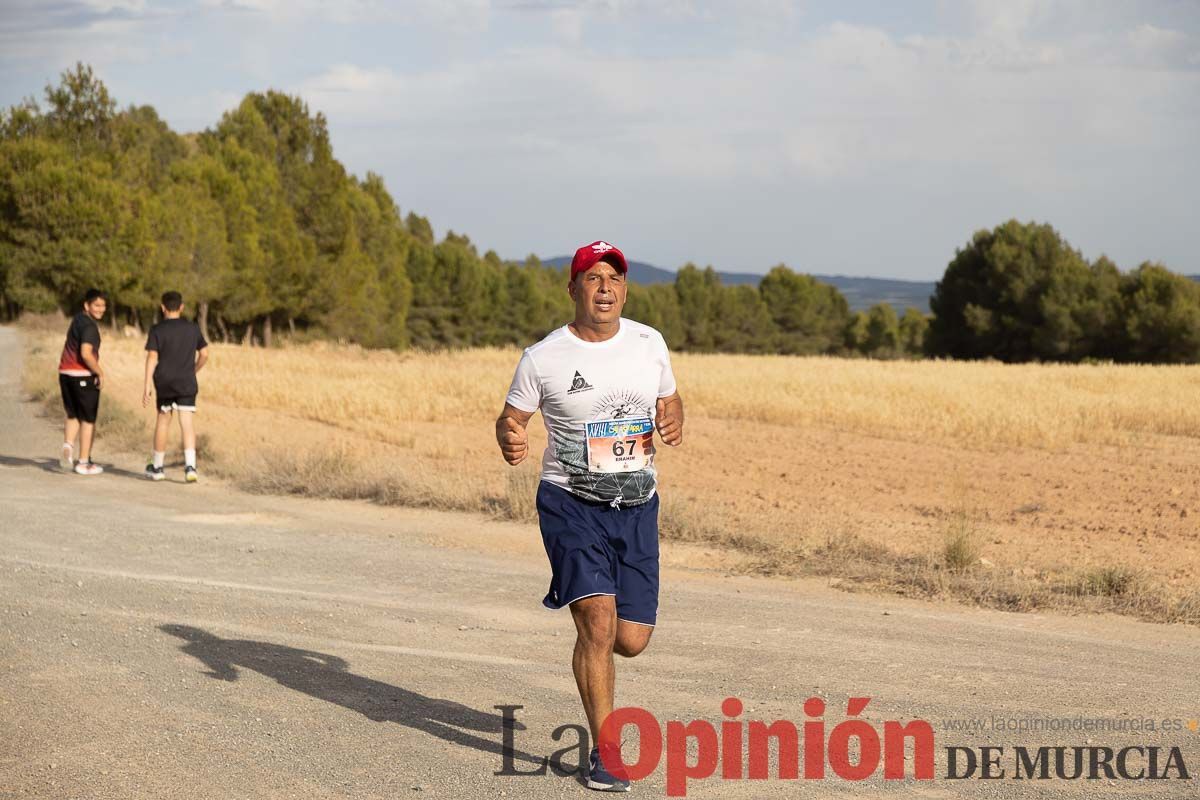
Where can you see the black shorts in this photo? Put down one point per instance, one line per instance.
(178, 402)
(81, 396)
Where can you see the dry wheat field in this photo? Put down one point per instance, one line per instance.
(1013, 486)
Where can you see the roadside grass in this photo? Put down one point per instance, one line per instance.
(961, 547)
(361, 456)
(954, 571)
(1111, 581)
(341, 473)
(854, 564)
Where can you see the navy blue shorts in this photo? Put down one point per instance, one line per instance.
(597, 549)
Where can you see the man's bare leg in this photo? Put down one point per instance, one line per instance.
(87, 432)
(632, 638)
(599, 635)
(595, 674)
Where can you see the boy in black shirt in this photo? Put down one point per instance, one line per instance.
(175, 352)
(79, 378)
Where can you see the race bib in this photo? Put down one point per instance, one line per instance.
(619, 445)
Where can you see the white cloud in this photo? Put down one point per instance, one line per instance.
(570, 19)
(469, 15)
(105, 6)
(843, 102)
(1005, 18)
(568, 24)
(1163, 48)
(100, 32)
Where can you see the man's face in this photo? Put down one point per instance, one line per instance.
(96, 308)
(599, 293)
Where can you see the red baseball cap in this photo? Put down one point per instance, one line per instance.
(587, 256)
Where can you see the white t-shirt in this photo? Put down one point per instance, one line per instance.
(598, 402)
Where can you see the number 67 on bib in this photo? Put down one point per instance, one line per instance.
(619, 445)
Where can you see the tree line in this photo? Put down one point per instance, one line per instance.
(263, 229)
(1020, 292)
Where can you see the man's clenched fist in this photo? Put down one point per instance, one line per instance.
(513, 440)
(668, 418)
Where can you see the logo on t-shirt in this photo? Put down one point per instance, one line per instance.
(578, 384)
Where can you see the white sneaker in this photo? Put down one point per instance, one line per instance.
(67, 459)
(88, 468)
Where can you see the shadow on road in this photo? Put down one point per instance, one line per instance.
(44, 464)
(51, 465)
(328, 678)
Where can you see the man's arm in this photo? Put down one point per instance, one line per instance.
(88, 353)
(148, 386)
(668, 418)
(511, 435)
(201, 358)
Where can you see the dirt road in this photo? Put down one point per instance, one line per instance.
(165, 640)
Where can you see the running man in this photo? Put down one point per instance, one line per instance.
(175, 352)
(603, 384)
(79, 378)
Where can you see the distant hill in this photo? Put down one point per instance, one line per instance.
(860, 293)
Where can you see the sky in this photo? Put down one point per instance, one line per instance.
(856, 138)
